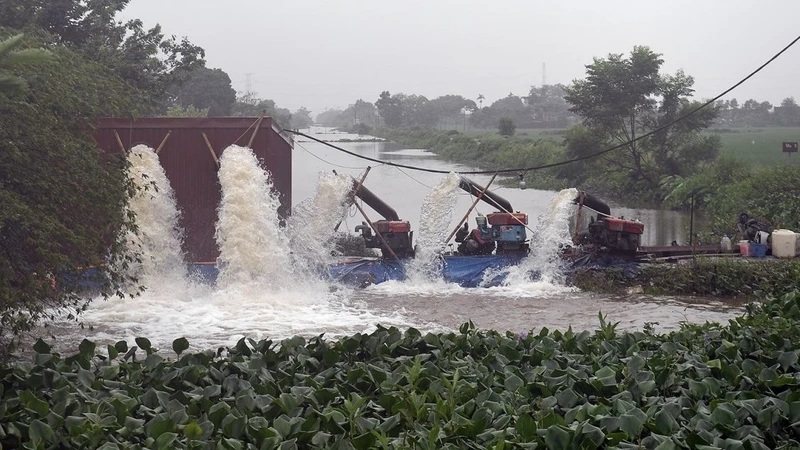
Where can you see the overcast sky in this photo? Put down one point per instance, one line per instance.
(326, 54)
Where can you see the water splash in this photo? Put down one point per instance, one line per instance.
(311, 226)
(252, 245)
(435, 224)
(552, 235)
(158, 242)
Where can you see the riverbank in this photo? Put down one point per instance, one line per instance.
(708, 277)
(488, 151)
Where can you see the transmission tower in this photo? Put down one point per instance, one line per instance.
(544, 74)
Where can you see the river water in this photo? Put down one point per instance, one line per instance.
(262, 302)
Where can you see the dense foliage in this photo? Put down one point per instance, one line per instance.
(13, 86)
(703, 386)
(143, 58)
(62, 202)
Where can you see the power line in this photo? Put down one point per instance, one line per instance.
(568, 161)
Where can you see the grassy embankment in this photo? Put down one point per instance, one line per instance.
(719, 277)
(758, 146)
(735, 386)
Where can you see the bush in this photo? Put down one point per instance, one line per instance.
(62, 203)
(506, 126)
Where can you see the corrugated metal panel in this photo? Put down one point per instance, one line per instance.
(191, 169)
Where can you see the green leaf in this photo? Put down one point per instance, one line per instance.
(697, 389)
(513, 382)
(112, 352)
(85, 377)
(636, 363)
(567, 398)
(143, 343)
(233, 427)
(158, 426)
(526, 427)
(665, 423)
(180, 345)
(721, 416)
(667, 445)
(133, 424)
(631, 425)
(86, 348)
(592, 434)
(40, 432)
(787, 359)
(109, 372)
(121, 346)
(41, 346)
(557, 438)
(165, 440)
(30, 401)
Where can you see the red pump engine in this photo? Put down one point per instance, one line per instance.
(607, 233)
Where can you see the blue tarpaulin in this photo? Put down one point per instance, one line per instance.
(467, 271)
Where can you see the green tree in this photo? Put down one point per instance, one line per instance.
(62, 202)
(250, 105)
(506, 126)
(390, 108)
(143, 58)
(207, 89)
(329, 117)
(548, 106)
(10, 57)
(449, 109)
(301, 119)
(624, 97)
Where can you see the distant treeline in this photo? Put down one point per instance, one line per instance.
(543, 107)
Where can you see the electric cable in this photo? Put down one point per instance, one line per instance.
(328, 162)
(409, 176)
(568, 161)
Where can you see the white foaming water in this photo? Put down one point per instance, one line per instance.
(252, 245)
(159, 239)
(259, 293)
(552, 235)
(311, 226)
(435, 222)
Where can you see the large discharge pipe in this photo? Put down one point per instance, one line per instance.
(491, 198)
(592, 202)
(375, 203)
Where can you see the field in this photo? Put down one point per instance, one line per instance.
(761, 146)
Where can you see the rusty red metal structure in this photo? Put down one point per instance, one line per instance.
(192, 170)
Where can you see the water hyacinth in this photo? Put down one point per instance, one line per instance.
(703, 386)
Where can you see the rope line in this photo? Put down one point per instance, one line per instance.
(568, 161)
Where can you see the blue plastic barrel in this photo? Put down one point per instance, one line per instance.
(758, 250)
